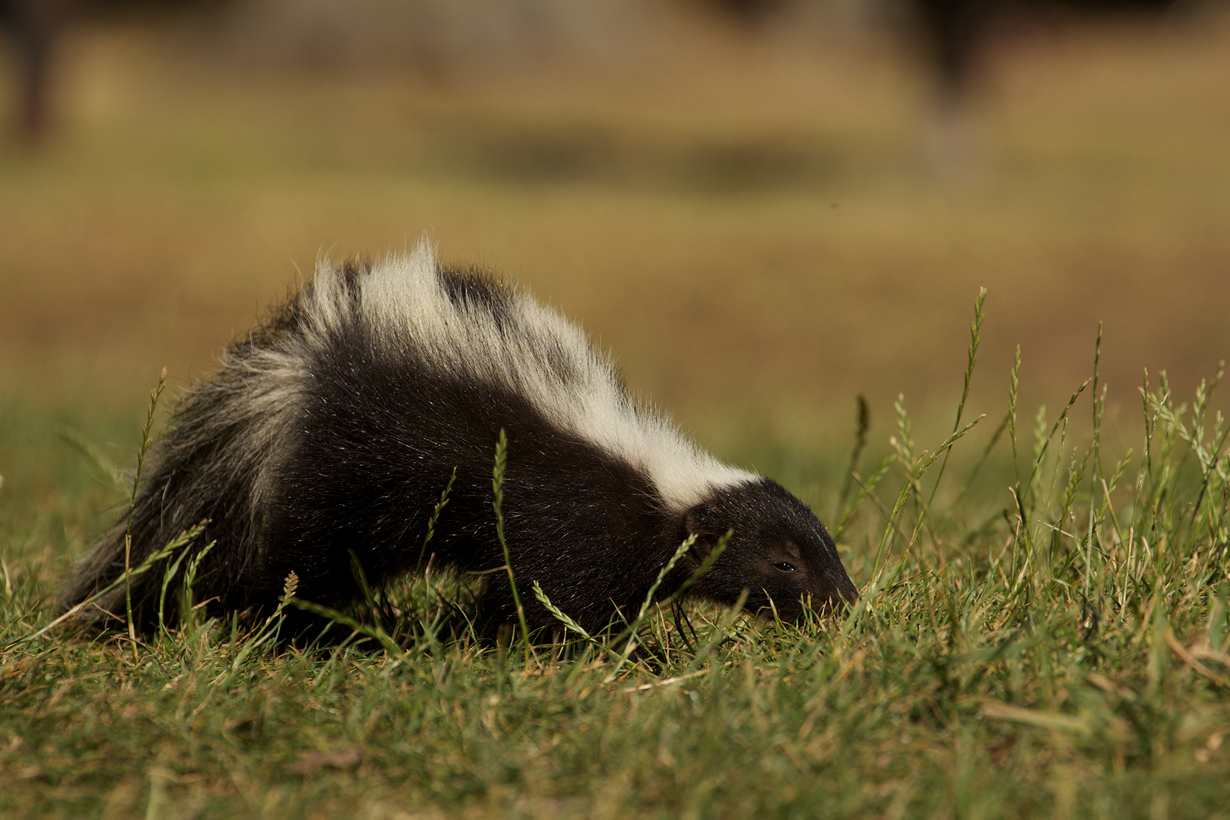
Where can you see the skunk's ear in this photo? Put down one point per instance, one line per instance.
(702, 522)
(698, 521)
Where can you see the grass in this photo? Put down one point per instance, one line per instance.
(1057, 646)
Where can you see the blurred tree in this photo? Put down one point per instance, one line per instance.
(746, 10)
(954, 32)
(33, 26)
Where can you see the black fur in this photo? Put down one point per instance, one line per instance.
(360, 459)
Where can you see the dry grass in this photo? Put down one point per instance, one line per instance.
(1057, 650)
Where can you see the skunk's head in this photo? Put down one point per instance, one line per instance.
(779, 552)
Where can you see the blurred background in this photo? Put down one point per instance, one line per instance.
(764, 209)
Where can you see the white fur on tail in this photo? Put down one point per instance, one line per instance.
(405, 302)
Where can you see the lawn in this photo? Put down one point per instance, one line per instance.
(753, 228)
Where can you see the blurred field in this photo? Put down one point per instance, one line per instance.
(750, 224)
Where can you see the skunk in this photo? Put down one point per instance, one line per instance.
(333, 427)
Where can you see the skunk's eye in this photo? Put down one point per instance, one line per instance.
(784, 567)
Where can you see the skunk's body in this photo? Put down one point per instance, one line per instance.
(335, 426)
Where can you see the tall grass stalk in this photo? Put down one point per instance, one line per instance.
(146, 441)
(497, 487)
